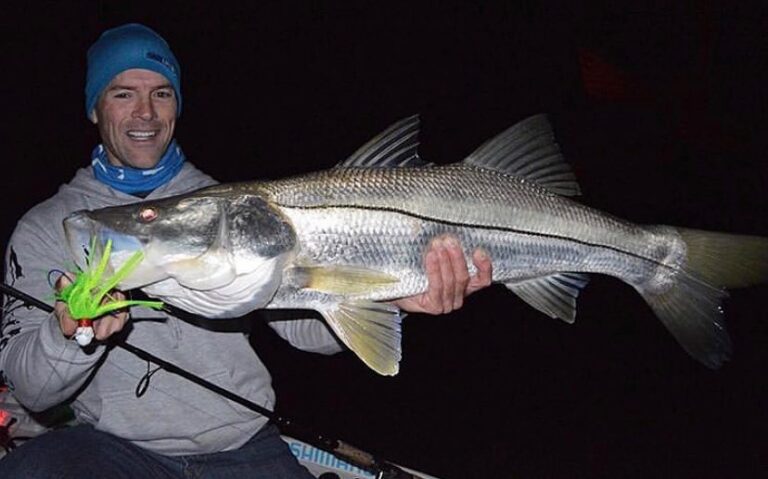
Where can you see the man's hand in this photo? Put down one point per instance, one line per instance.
(449, 280)
(103, 327)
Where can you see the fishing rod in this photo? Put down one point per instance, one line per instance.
(349, 453)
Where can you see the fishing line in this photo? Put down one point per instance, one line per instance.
(343, 450)
(60, 273)
(143, 383)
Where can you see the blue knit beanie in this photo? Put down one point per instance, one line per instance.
(125, 47)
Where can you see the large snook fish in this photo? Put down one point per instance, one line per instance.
(342, 241)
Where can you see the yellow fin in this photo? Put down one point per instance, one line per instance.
(342, 280)
(372, 331)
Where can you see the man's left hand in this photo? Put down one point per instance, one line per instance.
(448, 277)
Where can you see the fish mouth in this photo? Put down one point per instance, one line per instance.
(87, 240)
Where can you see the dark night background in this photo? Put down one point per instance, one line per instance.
(659, 106)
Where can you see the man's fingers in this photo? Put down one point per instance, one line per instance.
(103, 327)
(61, 310)
(66, 323)
(458, 272)
(109, 324)
(435, 278)
(484, 274)
(446, 273)
(448, 277)
(112, 296)
(64, 280)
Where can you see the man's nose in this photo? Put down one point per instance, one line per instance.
(144, 108)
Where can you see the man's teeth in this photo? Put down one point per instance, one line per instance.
(142, 134)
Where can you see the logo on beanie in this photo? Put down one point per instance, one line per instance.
(161, 59)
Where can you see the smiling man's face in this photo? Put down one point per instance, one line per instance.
(136, 115)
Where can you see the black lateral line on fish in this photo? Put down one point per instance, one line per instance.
(482, 227)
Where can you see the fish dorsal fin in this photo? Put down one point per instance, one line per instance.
(394, 147)
(528, 150)
(372, 331)
(339, 280)
(553, 295)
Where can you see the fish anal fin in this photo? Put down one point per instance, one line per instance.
(528, 150)
(554, 295)
(340, 280)
(371, 330)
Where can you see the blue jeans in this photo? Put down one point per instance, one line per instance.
(81, 452)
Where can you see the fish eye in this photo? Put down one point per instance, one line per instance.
(147, 214)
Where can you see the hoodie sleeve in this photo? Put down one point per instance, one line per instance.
(40, 365)
(308, 335)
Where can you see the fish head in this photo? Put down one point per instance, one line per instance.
(203, 241)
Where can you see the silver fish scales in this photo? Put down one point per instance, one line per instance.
(384, 218)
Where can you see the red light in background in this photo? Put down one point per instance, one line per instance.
(5, 418)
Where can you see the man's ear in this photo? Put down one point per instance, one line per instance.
(92, 116)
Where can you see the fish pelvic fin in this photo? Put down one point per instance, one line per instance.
(553, 295)
(372, 331)
(340, 280)
(688, 303)
(528, 150)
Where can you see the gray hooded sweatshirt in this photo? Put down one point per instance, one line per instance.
(173, 416)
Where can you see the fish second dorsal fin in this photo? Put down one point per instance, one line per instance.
(553, 295)
(394, 147)
(528, 150)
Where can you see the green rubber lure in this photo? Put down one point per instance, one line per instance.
(85, 295)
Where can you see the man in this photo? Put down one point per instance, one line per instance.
(174, 428)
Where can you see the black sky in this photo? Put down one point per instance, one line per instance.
(496, 389)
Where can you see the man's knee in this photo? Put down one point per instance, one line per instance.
(53, 454)
(76, 452)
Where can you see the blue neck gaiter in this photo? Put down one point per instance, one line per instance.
(134, 180)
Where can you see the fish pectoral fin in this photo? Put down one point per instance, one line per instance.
(208, 271)
(340, 280)
(553, 295)
(371, 330)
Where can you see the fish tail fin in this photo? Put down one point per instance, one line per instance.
(688, 302)
(691, 310)
(726, 260)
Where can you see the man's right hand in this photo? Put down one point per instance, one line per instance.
(103, 327)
